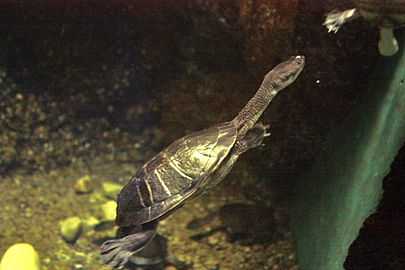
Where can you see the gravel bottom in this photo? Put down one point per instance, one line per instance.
(33, 205)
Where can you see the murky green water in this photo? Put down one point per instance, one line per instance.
(95, 90)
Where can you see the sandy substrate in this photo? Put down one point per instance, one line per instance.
(33, 206)
(99, 89)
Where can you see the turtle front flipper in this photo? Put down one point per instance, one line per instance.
(388, 45)
(335, 19)
(253, 138)
(116, 253)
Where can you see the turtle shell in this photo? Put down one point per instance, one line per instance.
(387, 13)
(174, 174)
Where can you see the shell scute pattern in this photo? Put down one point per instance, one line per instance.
(172, 176)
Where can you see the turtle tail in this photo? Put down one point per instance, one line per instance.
(116, 253)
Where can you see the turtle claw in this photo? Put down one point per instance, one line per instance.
(113, 254)
(266, 134)
(254, 137)
(116, 253)
(335, 19)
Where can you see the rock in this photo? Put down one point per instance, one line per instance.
(96, 197)
(213, 241)
(78, 266)
(109, 210)
(214, 267)
(70, 229)
(90, 223)
(20, 256)
(105, 225)
(111, 189)
(84, 185)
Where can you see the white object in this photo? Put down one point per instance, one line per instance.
(387, 45)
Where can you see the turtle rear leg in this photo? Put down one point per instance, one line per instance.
(116, 253)
(253, 138)
(387, 45)
(335, 19)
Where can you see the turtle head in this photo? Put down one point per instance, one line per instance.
(286, 72)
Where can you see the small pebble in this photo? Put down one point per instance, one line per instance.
(111, 189)
(21, 256)
(78, 266)
(84, 185)
(213, 241)
(90, 223)
(275, 267)
(96, 197)
(70, 229)
(211, 206)
(109, 210)
(214, 267)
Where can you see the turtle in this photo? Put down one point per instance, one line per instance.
(386, 14)
(189, 167)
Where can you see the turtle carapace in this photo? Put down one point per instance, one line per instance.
(190, 166)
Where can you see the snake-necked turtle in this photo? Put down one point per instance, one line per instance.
(387, 14)
(190, 166)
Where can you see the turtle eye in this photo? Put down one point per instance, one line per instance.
(300, 59)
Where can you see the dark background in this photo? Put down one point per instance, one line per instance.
(84, 79)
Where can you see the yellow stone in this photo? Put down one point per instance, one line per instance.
(20, 256)
(84, 185)
(111, 189)
(109, 210)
